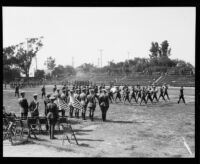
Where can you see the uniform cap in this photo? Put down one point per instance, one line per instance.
(35, 95)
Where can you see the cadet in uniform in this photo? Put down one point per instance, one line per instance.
(71, 101)
(149, 93)
(33, 107)
(181, 95)
(43, 91)
(54, 88)
(166, 91)
(143, 96)
(155, 91)
(133, 94)
(161, 94)
(17, 90)
(104, 103)
(52, 116)
(23, 105)
(77, 96)
(118, 95)
(91, 103)
(126, 95)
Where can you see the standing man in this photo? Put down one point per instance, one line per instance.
(181, 95)
(46, 101)
(143, 96)
(118, 94)
(103, 103)
(34, 105)
(71, 102)
(91, 104)
(149, 93)
(43, 91)
(126, 95)
(83, 103)
(23, 105)
(52, 116)
(17, 90)
(54, 88)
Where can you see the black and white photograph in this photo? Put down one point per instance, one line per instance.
(99, 82)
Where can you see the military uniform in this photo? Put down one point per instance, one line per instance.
(43, 92)
(17, 90)
(83, 103)
(91, 104)
(52, 116)
(181, 95)
(133, 95)
(155, 91)
(143, 96)
(104, 105)
(33, 107)
(166, 92)
(161, 94)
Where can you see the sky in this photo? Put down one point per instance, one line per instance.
(121, 32)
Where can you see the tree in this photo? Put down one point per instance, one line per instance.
(165, 48)
(50, 63)
(21, 55)
(39, 73)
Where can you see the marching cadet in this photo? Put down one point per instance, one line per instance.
(149, 93)
(71, 102)
(126, 95)
(139, 93)
(133, 94)
(155, 91)
(43, 91)
(161, 94)
(118, 95)
(181, 95)
(33, 107)
(17, 90)
(166, 91)
(103, 103)
(110, 94)
(46, 101)
(83, 103)
(52, 116)
(143, 96)
(23, 105)
(91, 103)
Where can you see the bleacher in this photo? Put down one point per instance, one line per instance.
(178, 80)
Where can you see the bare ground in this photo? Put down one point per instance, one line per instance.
(130, 131)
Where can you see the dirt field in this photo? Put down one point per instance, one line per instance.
(130, 130)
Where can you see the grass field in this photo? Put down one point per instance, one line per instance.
(131, 130)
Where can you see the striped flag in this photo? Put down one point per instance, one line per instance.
(77, 104)
(63, 105)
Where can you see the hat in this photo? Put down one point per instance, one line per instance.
(35, 95)
(52, 98)
(48, 94)
(22, 92)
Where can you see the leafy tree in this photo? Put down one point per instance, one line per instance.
(50, 63)
(21, 55)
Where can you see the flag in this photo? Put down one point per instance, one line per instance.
(63, 105)
(77, 104)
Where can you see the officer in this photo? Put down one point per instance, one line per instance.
(33, 107)
(103, 103)
(23, 105)
(181, 95)
(91, 103)
(118, 95)
(52, 116)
